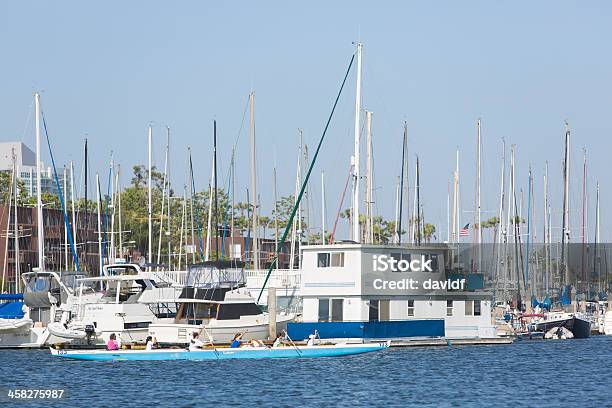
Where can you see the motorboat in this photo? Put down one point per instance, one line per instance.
(574, 322)
(217, 305)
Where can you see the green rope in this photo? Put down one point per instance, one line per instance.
(299, 197)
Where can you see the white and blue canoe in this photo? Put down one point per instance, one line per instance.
(225, 353)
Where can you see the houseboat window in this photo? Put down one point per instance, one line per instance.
(199, 311)
(337, 312)
(469, 308)
(326, 259)
(337, 259)
(323, 259)
(323, 310)
(400, 257)
(449, 307)
(411, 307)
(434, 261)
(373, 312)
(231, 311)
(477, 308)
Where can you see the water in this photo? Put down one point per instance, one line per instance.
(573, 373)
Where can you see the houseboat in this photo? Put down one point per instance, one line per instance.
(362, 292)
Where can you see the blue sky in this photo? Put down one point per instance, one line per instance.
(107, 70)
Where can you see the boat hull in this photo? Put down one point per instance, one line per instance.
(579, 327)
(221, 353)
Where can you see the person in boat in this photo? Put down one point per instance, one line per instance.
(112, 343)
(237, 341)
(150, 343)
(195, 343)
(256, 343)
(278, 342)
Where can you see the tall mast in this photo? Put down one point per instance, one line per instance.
(546, 232)
(322, 206)
(275, 213)
(418, 202)
(119, 204)
(163, 203)
(397, 201)
(403, 172)
(565, 237)
(595, 262)
(74, 225)
(168, 231)
(98, 194)
(215, 188)
(16, 234)
(66, 224)
(150, 209)
(39, 207)
(478, 221)
(87, 235)
(254, 180)
(356, 176)
(584, 215)
(369, 232)
(501, 233)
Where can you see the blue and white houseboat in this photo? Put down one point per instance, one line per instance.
(354, 291)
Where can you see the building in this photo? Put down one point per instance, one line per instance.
(25, 162)
(25, 254)
(382, 292)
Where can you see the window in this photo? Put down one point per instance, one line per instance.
(337, 259)
(373, 312)
(336, 315)
(449, 307)
(326, 259)
(469, 307)
(434, 261)
(411, 307)
(323, 310)
(477, 308)
(323, 259)
(405, 258)
(232, 311)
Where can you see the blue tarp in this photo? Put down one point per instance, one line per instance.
(368, 330)
(11, 310)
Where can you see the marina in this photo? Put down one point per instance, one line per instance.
(253, 211)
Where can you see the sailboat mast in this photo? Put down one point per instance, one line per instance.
(98, 194)
(169, 190)
(87, 235)
(39, 207)
(369, 232)
(546, 228)
(16, 226)
(275, 213)
(215, 192)
(150, 208)
(322, 205)
(478, 221)
(356, 176)
(65, 224)
(565, 228)
(254, 180)
(74, 225)
(403, 171)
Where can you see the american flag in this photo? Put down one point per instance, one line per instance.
(464, 232)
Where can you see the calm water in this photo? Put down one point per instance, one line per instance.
(572, 373)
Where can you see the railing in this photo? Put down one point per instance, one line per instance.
(279, 278)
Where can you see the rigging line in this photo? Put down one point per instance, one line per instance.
(61, 196)
(299, 198)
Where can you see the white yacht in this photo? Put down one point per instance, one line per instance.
(118, 302)
(44, 294)
(217, 305)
